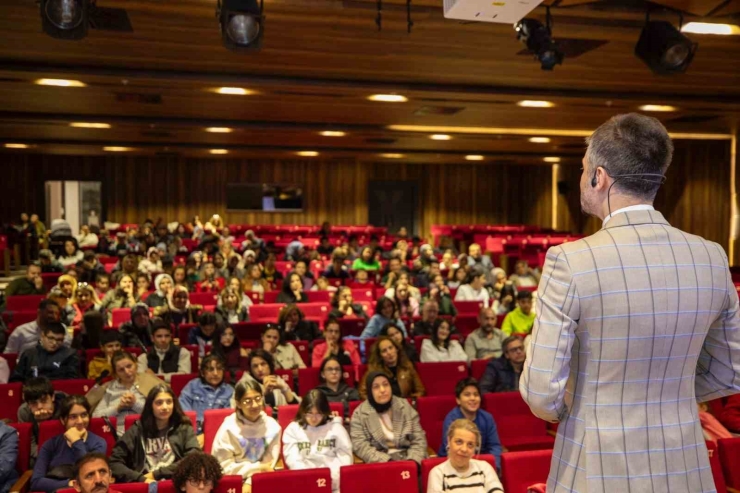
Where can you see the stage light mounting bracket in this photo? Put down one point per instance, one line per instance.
(248, 10)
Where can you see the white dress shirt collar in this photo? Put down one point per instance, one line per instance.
(638, 207)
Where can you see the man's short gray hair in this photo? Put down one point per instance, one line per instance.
(631, 144)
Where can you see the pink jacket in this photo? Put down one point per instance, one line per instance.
(319, 351)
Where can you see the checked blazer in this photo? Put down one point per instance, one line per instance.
(635, 324)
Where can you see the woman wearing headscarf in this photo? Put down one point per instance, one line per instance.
(163, 284)
(386, 428)
(178, 309)
(152, 262)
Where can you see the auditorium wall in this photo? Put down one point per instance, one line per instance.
(696, 196)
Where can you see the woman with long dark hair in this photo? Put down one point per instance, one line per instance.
(332, 385)
(386, 312)
(441, 347)
(295, 327)
(262, 371)
(387, 357)
(227, 347)
(150, 449)
(292, 291)
(317, 439)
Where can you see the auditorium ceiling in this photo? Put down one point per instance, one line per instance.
(321, 59)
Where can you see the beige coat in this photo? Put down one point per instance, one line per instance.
(635, 324)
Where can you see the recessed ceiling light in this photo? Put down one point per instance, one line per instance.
(529, 103)
(117, 149)
(233, 91)
(440, 137)
(710, 28)
(89, 125)
(657, 107)
(474, 157)
(388, 98)
(60, 82)
(392, 155)
(333, 133)
(539, 140)
(552, 159)
(16, 146)
(219, 151)
(219, 130)
(307, 153)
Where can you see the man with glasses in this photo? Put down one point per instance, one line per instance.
(502, 374)
(50, 358)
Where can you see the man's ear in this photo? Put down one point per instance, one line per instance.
(76, 485)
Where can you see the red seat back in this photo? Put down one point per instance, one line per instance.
(352, 326)
(120, 316)
(270, 297)
(51, 428)
(365, 294)
(515, 422)
(468, 307)
(432, 413)
(267, 312)
(478, 368)
(729, 456)
(133, 418)
(519, 470)
(204, 299)
(249, 331)
(319, 296)
(24, 445)
(12, 397)
(20, 317)
(428, 464)
(183, 332)
(316, 310)
(714, 462)
(305, 481)
(178, 382)
(398, 477)
(302, 348)
(353, 406)
(78, 386)
(286, 375)
(29, 302)
(466, 323)
(441, 378)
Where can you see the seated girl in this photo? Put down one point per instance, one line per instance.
(342, 305)
(292, 323)
(441, 347)
(387, 357)
(317, 439)
(229, 349)
(332, 385)
(209, 391)
(248, 441)
(262, 371)
(333, 345)
(386, 428)
(150, 450)
(57, 456)
(286, 356)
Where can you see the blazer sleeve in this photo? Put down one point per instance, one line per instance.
(547, 369)
(717, 372)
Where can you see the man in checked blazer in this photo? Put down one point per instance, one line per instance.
(635, 325)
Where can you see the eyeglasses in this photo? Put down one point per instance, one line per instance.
(56, 340)
(518, 349)
(199, 483)
(314, 415)
(332, 370)
(253, 400)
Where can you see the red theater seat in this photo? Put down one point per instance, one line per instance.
(286, 375)
(518, 428)
(304, 481)
(729, 456)
(178, 382)
(25, 303)
(428, 464)
(468, 307)
(477, 368)
(352, 326)
(441, 378)
(120, 316)
(519, 470)
(78, 386)
(367, 294)
(204, 299)
(51, 428)
(397, 477)
(14, 319)
(12, 397)
(317, 310)
(303, 349)
(716, 464)
(432, 413)
(465, 324)
(249, 331)
(267, 312)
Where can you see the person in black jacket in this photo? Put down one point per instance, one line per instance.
(50, 358)
(342, 305)
(292, 290)
(150, 450)
(502, 374)
(164, 358)
(293, 326)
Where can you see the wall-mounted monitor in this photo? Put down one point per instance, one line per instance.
(264, 197)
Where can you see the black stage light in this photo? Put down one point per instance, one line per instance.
(538, 39)
(65, 19)
(664, 48)
(242, 23)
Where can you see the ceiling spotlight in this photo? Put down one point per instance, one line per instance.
(16, 146)
(333, 133)
(392, 155)
(710, 28)
(528, 103)
(474, 157)
(89, 125)
(538, 38)
(242, 23)
(553, 159)
(65, 19)
(234, 91)
(219, 130)
(664, 49)
(658, 107)
(60, 82)
(219, 151)
(117, 149)
(388, 98)
(539, 140)
(440, 137)
(307, 153)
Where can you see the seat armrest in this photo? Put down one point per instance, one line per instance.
(23, 483)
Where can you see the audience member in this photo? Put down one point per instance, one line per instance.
(242, 300)
(179, 310)
(403, 280)
(50, 358)
(502, 374)
(334, 345)
(26, 336)
(102, 285)
(137, 332)
(322, 284)
(461, 472)
(325, 248)
(233, 267)
(385, 427)
(208, 391)
(292, 291)
(331, 375)
(123, 296)
(150, 449)
(89, 267)
(519, 321)
(31, 284)
(110, 344)
(468, 397)
(85, 300)
(408, 306)
(254, 282)
(477, 259)
(475, 289)
(395, 268)
(123, 395)
(386, 312)
(441, 347)
(441, 294)
(4, 371)
(275, 390)
(40, 403)
(209, 280)
(294, 251)
(197, 472)
(86, 238)
(56, 458)
(316, 439)
(48, 263)
(8, 457)
(486, 341)
(127, 266)
(711, 427)
(227, 347)
(387, 357)
(248, 441)
(301, 268)
(458, 277)
(524, 276)
(269, 272)
(366, 261)
(71, 254)
(408, 347)
(164, 357)
(164, 286)
(285, 355)
(294, 326)
(180, 278)
(363, 279)
(429, 315)
(343, 306)
(92, 474)
(336, 270)
(204, 334)
(61, 298)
